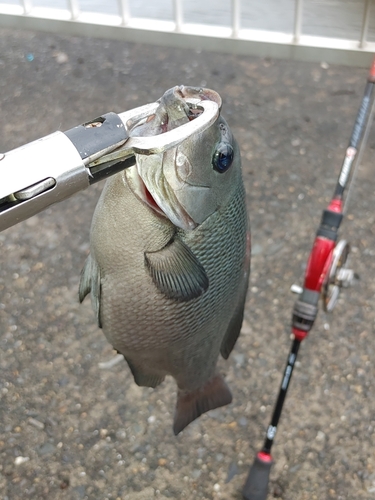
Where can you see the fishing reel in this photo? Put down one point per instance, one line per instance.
(326, 274)
(338, 277)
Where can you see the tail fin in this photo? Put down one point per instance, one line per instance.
(190, 405)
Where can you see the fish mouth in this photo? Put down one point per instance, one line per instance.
(151, 180)
(171, 209)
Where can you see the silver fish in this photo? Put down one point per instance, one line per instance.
(170, 257)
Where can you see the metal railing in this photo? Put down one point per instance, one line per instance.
(233, 37)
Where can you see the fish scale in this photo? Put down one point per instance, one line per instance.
(181, 319)
(172, 290)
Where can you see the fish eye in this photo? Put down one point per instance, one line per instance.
(223, 157)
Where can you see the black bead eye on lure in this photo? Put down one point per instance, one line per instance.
(223, 157)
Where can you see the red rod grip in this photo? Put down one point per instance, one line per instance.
(321, 254)
(318, 263)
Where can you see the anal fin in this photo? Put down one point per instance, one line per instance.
(190, 405)
(142, 378)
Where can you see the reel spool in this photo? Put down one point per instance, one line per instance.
(339, 276)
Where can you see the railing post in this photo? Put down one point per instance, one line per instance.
(236, 14)
(27, 6)
(178, 16)
(74, 9)
(124, 11)
(298, 21)
(365, 24)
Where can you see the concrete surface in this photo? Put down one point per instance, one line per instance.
(72, 430)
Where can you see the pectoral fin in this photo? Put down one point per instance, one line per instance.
(90, 282)
(177, 272)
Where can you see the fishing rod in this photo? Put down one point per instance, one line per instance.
(325, 275)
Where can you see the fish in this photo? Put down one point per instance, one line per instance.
(169, 258)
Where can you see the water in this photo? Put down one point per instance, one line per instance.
(330, 18)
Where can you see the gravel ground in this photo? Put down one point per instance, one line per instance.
(71, 429)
